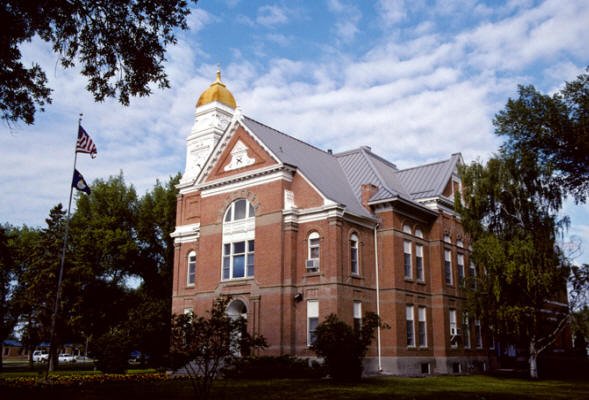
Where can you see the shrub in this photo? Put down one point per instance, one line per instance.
(111, 351)
(344, 348)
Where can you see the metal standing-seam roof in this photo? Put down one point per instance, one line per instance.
(320, 167)
(427, 181)
(340, 177)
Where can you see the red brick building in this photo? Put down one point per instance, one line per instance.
(294, 233)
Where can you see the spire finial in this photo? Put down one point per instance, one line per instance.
(218, 72)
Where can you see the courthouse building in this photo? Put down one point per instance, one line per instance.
(294, 233)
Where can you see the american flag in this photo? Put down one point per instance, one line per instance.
(85, 143)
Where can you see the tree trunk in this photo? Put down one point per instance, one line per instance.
(533, 360)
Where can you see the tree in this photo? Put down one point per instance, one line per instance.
(203, 345)
(344, 348)
(509, 210)
(120, 46)
(8, 276)
(555, 128)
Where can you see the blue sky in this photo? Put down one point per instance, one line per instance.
(415, 80)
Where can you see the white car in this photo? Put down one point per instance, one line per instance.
(66, 358)
(40, 356)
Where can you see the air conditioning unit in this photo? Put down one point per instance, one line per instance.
(312, 265)
(454, 331)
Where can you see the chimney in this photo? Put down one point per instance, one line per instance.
(368, 190)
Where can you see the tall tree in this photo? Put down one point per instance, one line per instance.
(120, 46)
(36, 294)
(510, 212)
(555, 128)
(8, 276)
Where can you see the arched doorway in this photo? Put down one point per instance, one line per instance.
(235, 310)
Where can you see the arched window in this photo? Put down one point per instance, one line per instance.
(191, 269)
(239, 231)
(407, 229)
(313, 252)
(419, 233)
(354, 260)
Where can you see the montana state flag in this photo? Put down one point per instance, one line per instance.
(79, 183)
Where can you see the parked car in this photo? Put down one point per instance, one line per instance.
(66, 358)
(40, 356)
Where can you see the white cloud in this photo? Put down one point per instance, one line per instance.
(271, 16)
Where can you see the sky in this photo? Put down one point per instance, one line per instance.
(415, 80)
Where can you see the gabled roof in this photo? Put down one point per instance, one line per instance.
(427, 181)
(339, 177)
(320, 167)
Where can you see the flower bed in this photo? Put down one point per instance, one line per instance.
(84, 379)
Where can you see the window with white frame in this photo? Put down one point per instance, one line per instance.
(238, 241)
(460, 267)
(312, 320)
(453, 327)
(421, 327)
(459, 243)
(419, 271)
(410, 326)
(313, 252)
(407, 259)
(357, 316)
(448, 267)
(447, 238)
(407, 229)
(466, 330)
(354, 259)
(478, 335)
(191, 269)
(419, 233)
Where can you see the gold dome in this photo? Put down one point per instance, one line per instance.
(217, 92)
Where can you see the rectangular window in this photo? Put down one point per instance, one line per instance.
(238, 260)
(473, 275)
(314, 248)
(448, 267)
(460, 266)
(354, 256)
(422, 327)
(466, 330)
(478, 336)
(357, 316)
(453, 328)
(407, 259)
(419, 263)
(191, 273)
(312, 320)
(410, 326)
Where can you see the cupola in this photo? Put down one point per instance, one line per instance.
(217, 91)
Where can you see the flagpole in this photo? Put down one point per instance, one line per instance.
(52, 350)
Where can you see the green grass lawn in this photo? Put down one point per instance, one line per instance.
(439, 387)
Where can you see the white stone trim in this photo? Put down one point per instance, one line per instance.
(242, 181)
(186, 233)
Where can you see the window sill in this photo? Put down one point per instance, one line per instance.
(190, 286)
(407, 279)
(421, 282)
(312, 273)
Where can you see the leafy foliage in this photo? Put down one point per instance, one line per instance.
(112, 239)
(510, 212)
(112, 351)
(344, 348)
(120, 46)
(202, 346)
(554, 128)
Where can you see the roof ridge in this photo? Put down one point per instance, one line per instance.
(375, 171)
(424, 165)
(286, 134)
